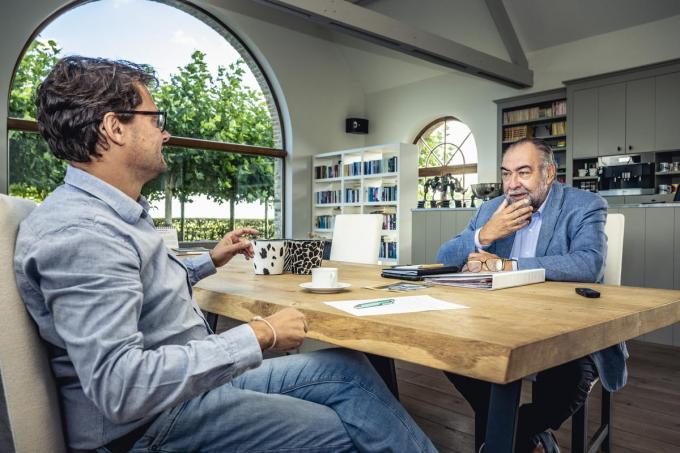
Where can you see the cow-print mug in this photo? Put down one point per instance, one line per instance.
(303, 255)
(270, 256)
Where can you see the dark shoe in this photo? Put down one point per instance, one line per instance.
(548, 441)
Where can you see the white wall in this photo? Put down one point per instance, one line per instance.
(310, 75)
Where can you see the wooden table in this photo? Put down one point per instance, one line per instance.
(502, 337)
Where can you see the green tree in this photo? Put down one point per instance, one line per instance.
(217, 108)
(34, 171)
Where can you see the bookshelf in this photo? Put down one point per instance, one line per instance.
(539, 115)
(380, 179)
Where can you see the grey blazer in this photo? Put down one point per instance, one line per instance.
(571, 246)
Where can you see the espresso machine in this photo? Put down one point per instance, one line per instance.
(625, 176)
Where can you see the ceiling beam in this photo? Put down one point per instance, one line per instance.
(507, 32)
(369, 25)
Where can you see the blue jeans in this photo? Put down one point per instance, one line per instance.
(324, 401)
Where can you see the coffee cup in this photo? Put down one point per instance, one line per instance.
(582, 172)
(270, 256)
(303, 255)
(325, 277)
(592, 171)
(664, 166)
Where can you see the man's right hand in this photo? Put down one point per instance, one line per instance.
(505, 221)
(290, 326)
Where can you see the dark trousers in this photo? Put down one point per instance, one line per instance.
(557, 394)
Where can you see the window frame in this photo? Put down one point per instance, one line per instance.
(426, 172)
(27, 125)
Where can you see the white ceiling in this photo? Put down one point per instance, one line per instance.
(546, 23)
(538, 23)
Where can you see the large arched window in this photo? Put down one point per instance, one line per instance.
(226, 157)
(447, 149)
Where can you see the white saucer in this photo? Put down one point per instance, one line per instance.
(325, 290)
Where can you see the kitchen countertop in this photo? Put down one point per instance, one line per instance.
(614, 206)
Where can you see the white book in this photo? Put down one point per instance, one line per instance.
(491, 280)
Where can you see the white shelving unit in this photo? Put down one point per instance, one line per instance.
(359, 181)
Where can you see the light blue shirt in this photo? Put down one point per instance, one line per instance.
(526, 239)
(126, 339)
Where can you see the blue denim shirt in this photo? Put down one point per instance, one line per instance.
(125, 337)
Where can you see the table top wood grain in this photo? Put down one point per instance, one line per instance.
(503, 336)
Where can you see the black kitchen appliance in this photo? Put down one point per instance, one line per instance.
(626, 179)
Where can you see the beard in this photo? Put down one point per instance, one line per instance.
(536, 197)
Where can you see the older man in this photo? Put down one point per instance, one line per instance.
(137, 365)
(540, 223)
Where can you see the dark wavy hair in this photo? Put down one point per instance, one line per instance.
(547, 154)
(73, 99)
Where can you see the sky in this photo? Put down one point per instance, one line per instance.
(152, 33)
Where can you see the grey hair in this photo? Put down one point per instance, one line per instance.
(547, 155)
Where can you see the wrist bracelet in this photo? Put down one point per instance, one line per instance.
(260, 318)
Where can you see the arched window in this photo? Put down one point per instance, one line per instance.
(226, 156)
(447, 149)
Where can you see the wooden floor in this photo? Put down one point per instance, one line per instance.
(646, 411)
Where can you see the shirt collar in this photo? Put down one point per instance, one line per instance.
(127, 208)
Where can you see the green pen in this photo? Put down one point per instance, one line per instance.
(375, 303)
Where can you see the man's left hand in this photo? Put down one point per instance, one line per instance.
(231, 245)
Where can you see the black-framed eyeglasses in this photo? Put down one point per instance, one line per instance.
(161, 116)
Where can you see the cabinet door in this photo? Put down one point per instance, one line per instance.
(433, 231)
(584, 129)
(667, 118)
(659, 231)
(611, 119)
(676, 271)
(418, 237)
(640, 127)
(633, 270)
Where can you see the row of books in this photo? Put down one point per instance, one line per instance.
(388, 193)
(352, 196)
(327, 171)
(516, 133)
(557, 108)
(389, 222)
(325, 222)
(353, 169)
(327, 196)
(559, 128)
(388, 249)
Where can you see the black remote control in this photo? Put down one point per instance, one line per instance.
(587, 292)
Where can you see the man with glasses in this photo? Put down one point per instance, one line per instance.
(137, 366)
(539, 223)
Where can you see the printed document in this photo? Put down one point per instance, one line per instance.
(405, 304)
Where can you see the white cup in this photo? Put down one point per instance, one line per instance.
(325, 277)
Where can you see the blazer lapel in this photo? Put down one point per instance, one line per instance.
(550, 215)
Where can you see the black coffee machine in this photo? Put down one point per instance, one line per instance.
(626, 179)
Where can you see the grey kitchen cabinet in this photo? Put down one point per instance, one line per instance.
(419, 237)
(659, 231)
(633, 269)
(433, 230)
(615, 200)
(449, 225)
(667, 116)
(676, 271)
(584, 124)
(640, 111)
(611, 119)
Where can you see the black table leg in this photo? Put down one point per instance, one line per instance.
(502, 424)
(385, 368)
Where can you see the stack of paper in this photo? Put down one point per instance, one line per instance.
(493, 280)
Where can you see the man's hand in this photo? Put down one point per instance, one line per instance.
(290, 326)
(231, 245)
(505, 221)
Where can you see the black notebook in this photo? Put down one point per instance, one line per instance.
(417, 272)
